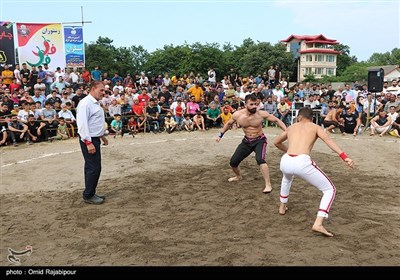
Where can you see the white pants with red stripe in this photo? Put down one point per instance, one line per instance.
(302, 166)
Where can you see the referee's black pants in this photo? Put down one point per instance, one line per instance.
(92, 167)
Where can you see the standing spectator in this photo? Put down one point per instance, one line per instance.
(74, 79)
(271, 76)
(24, 72)
(17, 74)
(278, 76)
(212, 76)
(48, 81)
(96, 74)
(86, 76)
(7, 75)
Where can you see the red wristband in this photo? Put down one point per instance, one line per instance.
(87, 142)
(343, 155)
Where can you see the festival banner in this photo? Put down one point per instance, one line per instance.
(40, 43)
(74, 47)
(7, 53)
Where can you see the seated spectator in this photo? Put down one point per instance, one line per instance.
(396, 127)
(283, 111)
(170, 124)
(69, 119)
(36, 130)
(213, 118)
(192, 107)
(198, 121)
(18, 130)
(132, 126)
(392, 114)
(380, 123)
(116, 126)
(152, 114)
(350, 122)
(62, 131)
(331, 120)
(3, 136)
(187, 123)
(226, 115)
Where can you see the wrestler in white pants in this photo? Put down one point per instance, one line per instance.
(303, 167)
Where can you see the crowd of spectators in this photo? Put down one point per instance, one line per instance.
(39, 104)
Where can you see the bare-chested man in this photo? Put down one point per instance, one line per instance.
(332, 119)
(297, 162)
(251, 119)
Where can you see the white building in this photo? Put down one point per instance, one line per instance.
(315, 55)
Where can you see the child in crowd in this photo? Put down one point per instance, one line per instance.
(170, 123)
(132, 126)
(62, 131)
(187, 123)
(116, 126)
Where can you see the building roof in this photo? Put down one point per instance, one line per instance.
(311, 38)
(320, 51)
(386, 68)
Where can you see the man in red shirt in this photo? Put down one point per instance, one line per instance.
(86, 76)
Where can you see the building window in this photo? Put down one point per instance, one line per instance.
(319, 71)
(308, 57)
(319, 57)
(308, 70)
(330, 71)
(330, 58)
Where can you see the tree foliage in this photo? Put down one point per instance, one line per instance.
(250, 58)
(344, 59)
(110, 59)
(387, 58)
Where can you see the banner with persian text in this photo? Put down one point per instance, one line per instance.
(40, 43)
(7, 53)
(74, 47)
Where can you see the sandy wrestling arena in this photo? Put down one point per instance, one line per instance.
(169, 204)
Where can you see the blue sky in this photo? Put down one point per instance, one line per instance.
(365, 26)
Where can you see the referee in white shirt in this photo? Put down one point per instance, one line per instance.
(90, 120)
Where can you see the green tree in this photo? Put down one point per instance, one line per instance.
(355, 72)
(110, 59)
(387, 58)
(344, 59)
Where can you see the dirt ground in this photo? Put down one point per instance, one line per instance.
(169, 204)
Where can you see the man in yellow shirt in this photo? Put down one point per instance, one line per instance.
(226, 115)
(196, 91)
(7, 75)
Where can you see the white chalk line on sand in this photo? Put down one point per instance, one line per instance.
(163, 141)
(39, 157)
